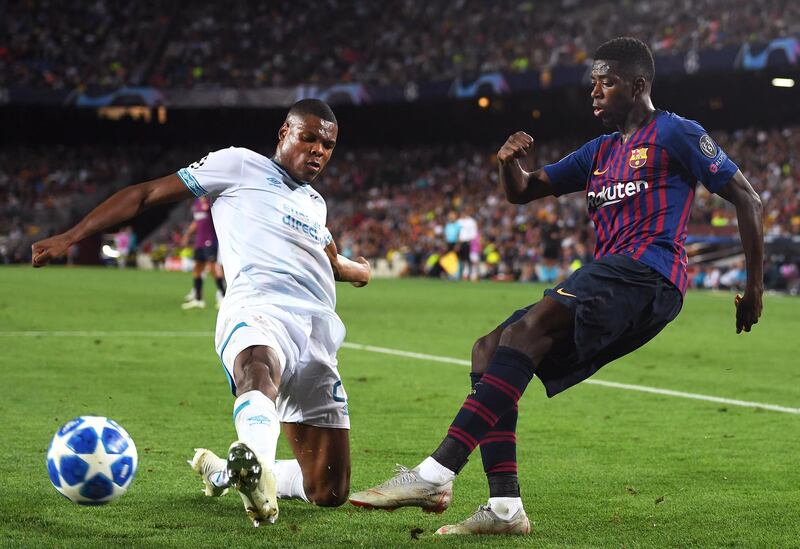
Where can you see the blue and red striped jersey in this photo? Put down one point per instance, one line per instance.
(639, 193)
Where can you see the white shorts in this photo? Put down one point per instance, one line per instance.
(311, 390)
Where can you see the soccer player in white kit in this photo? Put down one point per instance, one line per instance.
(277, 331)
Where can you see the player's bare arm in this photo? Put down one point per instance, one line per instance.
(119, 207)
(750, 214)
(519, 185)
(356, 272)
(189, 232)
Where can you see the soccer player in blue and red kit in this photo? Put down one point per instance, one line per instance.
(639, 184)
(205, 254)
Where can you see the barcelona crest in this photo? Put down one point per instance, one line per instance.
(638, 158)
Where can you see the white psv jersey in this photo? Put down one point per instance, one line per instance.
(271, 230)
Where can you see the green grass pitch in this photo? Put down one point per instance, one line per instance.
(600, 467)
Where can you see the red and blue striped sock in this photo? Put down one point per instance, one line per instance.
(497, 394)
(499, 452)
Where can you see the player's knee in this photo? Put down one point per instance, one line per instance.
(482, 352)
(329, 495)
(262, 357)
(256, 368)
(330, 500)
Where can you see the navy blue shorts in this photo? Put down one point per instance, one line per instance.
(620, 304)
(206, 253)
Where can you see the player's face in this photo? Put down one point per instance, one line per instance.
(305, 144)
(612, 93)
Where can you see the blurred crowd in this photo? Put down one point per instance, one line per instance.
(400, 208)
(245, 44)
(433, 210)
(76, 45)
(43, 189)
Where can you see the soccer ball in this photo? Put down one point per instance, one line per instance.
(91, 460)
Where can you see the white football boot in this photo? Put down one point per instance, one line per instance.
(485, 522)
(256, 484)
(194, 304)
(406, 489)
(211, 468)
(220, 299)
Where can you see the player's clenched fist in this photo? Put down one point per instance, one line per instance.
(365, 264)
(516, 146)
(46, 250)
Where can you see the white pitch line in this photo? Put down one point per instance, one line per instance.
(625, 386)
(409, 354)
(695, 396)
(419, 356)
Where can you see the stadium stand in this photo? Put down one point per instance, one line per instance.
(101, 44)
(245, 44)
(44, 189)
(393, 206)
(387, 205)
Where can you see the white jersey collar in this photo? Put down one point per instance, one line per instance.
(287, 174)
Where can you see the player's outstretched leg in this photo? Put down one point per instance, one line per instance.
(502, 385)
(504, 513)
(522, 345)
(524, 341)
(212, 470)
(499, 446)
(257, 372)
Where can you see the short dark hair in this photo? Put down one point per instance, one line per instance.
(314, 107)
(633, 55)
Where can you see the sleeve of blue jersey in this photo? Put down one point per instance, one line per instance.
(191, 183)
(570, 174)
(700, 155)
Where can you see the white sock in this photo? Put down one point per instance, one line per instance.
(290, 479)
(505, 507)
(434, 472)
(257, 425)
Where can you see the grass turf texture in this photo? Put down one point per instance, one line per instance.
(599, 466)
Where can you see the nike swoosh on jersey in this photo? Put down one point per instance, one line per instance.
(598, 172)
(561, 291)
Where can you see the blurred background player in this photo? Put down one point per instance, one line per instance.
(126, 242)
(548, 269)
(451, 231)
(205, 254)
(639, 183)
(468, 242)
(449, 261)
(277, 330)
